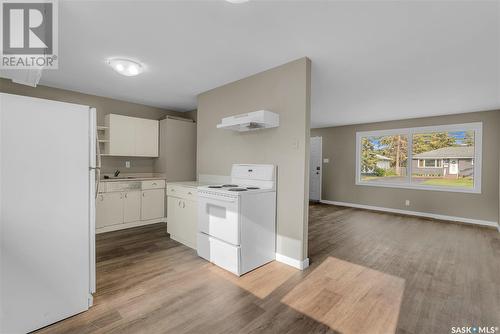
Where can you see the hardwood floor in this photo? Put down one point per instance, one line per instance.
(370, 273)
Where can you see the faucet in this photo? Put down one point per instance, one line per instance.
(117, 172)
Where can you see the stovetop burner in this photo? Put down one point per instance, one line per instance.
(237, 189)
(229, 185)
(253, 188)
(217, 187)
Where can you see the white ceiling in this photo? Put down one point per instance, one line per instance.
(372, 61)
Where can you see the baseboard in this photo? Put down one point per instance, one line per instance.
(417, 213)
(129, 225)
(292, 262)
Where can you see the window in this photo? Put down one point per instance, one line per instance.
(437, 158)
(430, 163)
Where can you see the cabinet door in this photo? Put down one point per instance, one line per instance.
(109, 209)
(173, 215)
(121, 135)
(190, 222)
(132, 206)
(146, 137)
(153, 204)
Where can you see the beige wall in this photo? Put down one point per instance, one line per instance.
(339, 144)
(103, 106)
(286, 91)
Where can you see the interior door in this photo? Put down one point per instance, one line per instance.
(44, 212)
(315, 169)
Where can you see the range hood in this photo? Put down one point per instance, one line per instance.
(255, 120)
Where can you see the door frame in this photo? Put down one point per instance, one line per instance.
(321, 165)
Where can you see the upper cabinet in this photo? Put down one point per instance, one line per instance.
(131, 136)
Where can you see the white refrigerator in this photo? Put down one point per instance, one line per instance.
(47, 211)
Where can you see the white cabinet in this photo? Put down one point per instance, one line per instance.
(173, 227)
(109, 209)
(182, 219)
(153, 204)
(126, 204)
(146, 137)
(131, 206)
(131, 136)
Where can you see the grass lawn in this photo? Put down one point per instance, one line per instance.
(422, 180)
(460, 182)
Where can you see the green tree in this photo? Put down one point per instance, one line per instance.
(432, 141)
(469, 138)
(396, 148)
(368, 155)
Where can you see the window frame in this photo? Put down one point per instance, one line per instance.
(436, 164)
(477, 127)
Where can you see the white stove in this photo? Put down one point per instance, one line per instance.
(237, 221)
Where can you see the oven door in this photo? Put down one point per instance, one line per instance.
(218, 216)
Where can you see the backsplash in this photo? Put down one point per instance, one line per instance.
(137, 165)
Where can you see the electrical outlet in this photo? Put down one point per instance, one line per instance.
(407, 202)
(326, 160)
(127, 164)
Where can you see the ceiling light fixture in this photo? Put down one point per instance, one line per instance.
(125, 67)
(237, 1)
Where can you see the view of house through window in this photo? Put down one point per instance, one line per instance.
(384, 158)
(430, 157)
(443, 159)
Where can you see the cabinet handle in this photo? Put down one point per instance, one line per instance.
(183, 204)
(126, 195)
(179, 204)
(102, 198)
(154, 183)
(189, 193)
(143, 194)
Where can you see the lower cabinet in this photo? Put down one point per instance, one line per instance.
(153, 204)
(131, 206)
(109, 209)
(182, 220)
(123, 208)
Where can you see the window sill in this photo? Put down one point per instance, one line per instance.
(420, 187)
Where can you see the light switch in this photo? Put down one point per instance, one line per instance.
(127, 164)
(326, 160)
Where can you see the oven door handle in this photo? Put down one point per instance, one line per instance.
(218, 198)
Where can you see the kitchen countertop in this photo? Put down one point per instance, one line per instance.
(134, 177)
(190, 184)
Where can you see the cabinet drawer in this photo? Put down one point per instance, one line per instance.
(153, 184)
(218, 252)
(120, 186)
(188, 193)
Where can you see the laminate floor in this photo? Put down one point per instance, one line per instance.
(370, 272)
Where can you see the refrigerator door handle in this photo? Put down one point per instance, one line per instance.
(98, 179)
